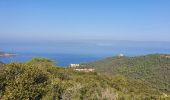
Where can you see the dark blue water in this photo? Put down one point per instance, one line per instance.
(67, 53)
(61, 59)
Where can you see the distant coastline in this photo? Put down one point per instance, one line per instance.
(7, 54)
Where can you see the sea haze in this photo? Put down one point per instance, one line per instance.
(68, 52)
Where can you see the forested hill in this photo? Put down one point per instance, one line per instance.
(40, 79)
(153, 69)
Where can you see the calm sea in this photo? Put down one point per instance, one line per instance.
(75, 52)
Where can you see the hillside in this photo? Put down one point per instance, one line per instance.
(40, 79)
(154, 70)
(1, 67)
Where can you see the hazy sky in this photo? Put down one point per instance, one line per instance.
(53, 20)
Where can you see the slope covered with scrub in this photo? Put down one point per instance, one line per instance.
(154, 70)
(40, 79)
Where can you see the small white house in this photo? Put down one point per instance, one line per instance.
(74, 65)
(121, 55)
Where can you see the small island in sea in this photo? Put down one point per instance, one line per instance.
(5, 54)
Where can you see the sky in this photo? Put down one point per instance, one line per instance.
(83, 20)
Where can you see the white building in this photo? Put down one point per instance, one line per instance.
(121, 55)
(86, 70)
(74, 65)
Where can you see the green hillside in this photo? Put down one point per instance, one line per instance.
(154, 70)
(40, 79)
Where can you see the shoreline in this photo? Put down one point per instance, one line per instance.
(7, 55)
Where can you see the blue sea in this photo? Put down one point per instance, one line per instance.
(66, 53)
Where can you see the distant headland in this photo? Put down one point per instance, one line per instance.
(5, 54)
